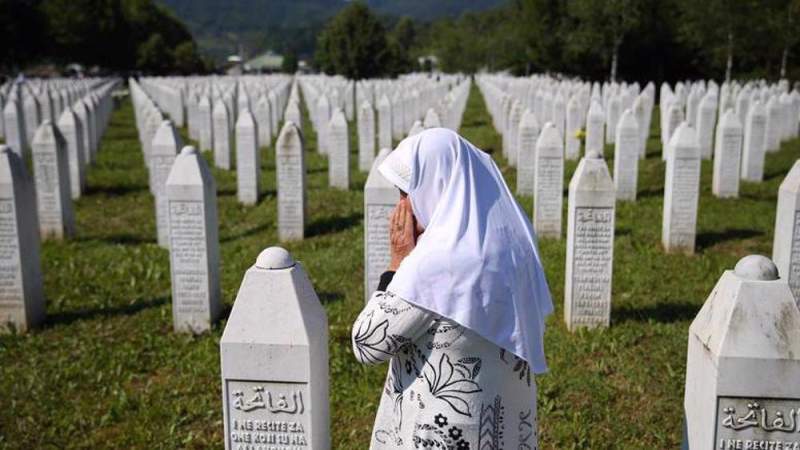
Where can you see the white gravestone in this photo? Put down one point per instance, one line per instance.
(380, 198)
(706, 117)
(743, 363)
(14, 123)
(193, 243)
(263, 116)
(511, 133)
(384, 123)
(51, 172)
(84, 116)
(292, 114)
(338, 151)
(431, 119)
(595, 121)
(22, 303)
(681, 191)
(206, 123)
(573, 144)
(755, 143)
(275, 378)
(248, 161)
(416, 128)
(626, 156)
(166, 144)
(727, 156)
(548, 190)
(323, 118)
(590, 245)
(526, 157)
(612, 118)
(671, 123)
(222, 135)
(291, 174)
(366, 136)
(786, 246)
(72, 129)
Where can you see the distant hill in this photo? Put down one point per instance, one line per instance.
(221, 27)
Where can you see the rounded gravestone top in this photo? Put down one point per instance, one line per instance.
(274, 258)
(756, 267)
(593, 154)
(188, 150)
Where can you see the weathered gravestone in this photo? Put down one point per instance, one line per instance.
(85, 117)
(681, 191)
(72, 129)
(248, 160)
(727, 156)
(222, 135)
(595, 121)
(590, 245)
(511, 132)
(755, 143)
(51, 172)
(548, 190)
(193, 243)
(626, 156)
(743, 363)
(380, 198)
(291, 174)
(165, 147)
(338, 151)
(366, 136)
(14, 123)
(22, 304)
(786, 246)
(573, 144)
(526, 157)
(275, 378)
(384, 122)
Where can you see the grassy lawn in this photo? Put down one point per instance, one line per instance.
(106, 370)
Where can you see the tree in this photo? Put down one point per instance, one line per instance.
(353, 44)
(289, 64)
(186, 59)
(782, 22)
(152, 55)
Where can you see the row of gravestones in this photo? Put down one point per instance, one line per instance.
(40, 207)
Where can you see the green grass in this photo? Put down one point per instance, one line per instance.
(106, 370)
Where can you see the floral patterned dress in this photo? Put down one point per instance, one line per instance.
(447, 387)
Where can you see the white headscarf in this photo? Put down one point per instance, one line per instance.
(477, 262)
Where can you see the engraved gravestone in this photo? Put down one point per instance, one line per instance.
(323, 109)
(366, 136)
(380, 198)
(594, 128)
(291, 183)
(292, 113)
(573, 144)
(612, 118)
(22, 303)
(338, 151)
(222, 135)
(772, 128)
(206, 124)
(263, 117)
(727, 156)
(82, 111)
(786, 246)
(51, 173)
(90, 137)
(166, 143)
(384, 122)
(72, 129)
(275, 378)
(193, 243)
(14, 123)
(248, 161)
(511, 133)
(681, 191)
(526, 157)
(755, 143)
(706, 117)
(548, 183)
(626, 156)
(743, 363)
(590, 245)
(673, 119)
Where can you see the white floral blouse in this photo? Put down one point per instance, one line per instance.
(447, 387)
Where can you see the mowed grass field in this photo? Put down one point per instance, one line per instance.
(107, 371)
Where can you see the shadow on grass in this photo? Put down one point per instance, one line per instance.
(65, 318)
(776, 174)
(709, 239)
(650, 193)
(660, 312)
(114, 191)
(330, 297)
(119, 239)
(328, 225)
(246, 233)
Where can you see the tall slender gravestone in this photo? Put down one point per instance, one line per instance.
(22, 304)
(380, 198)
(14, 121)
(165, 146)
(431, 119)
(90, 137)
(671, 123)
(772, 129)
(590, 245)
(275, 378)
(263, 116)
(193, 243)
(612, 118)
(626, 156)
(786, 246)
(248, 161)
(526, 157)
(681, 191)
(416, 128)
(339, 151)
(743, 363)
(727, 156)
(640, 114)
(292, 113)
(366, 136)
(594, 128)
(222, 135)
(706, 117)
(291, 173)
(573, 144)
(384, 122)
(548, 183)
(51, 172)
(206, 125)
(511, 132)
(755, 143)
(72, 129)
(323, 109)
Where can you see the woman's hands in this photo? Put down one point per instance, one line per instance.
(402, 233)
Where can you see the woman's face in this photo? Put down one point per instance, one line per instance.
(418, 229)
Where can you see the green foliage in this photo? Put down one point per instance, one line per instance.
(289, 64)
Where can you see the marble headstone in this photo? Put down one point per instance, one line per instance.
(51, 173)
(72, 129)
(681, 191)
(526, 148)
(595, 121)
(165, 147)
(727, 156)
(626, 156)
(366, 136)
(786, 246)
(755, 143)
(14, 122)
(548, 190)
(338, 151)
(380, 198)
(248, 160)
(291, 174)
(384, 123)
(222, 135)
(573, 144)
